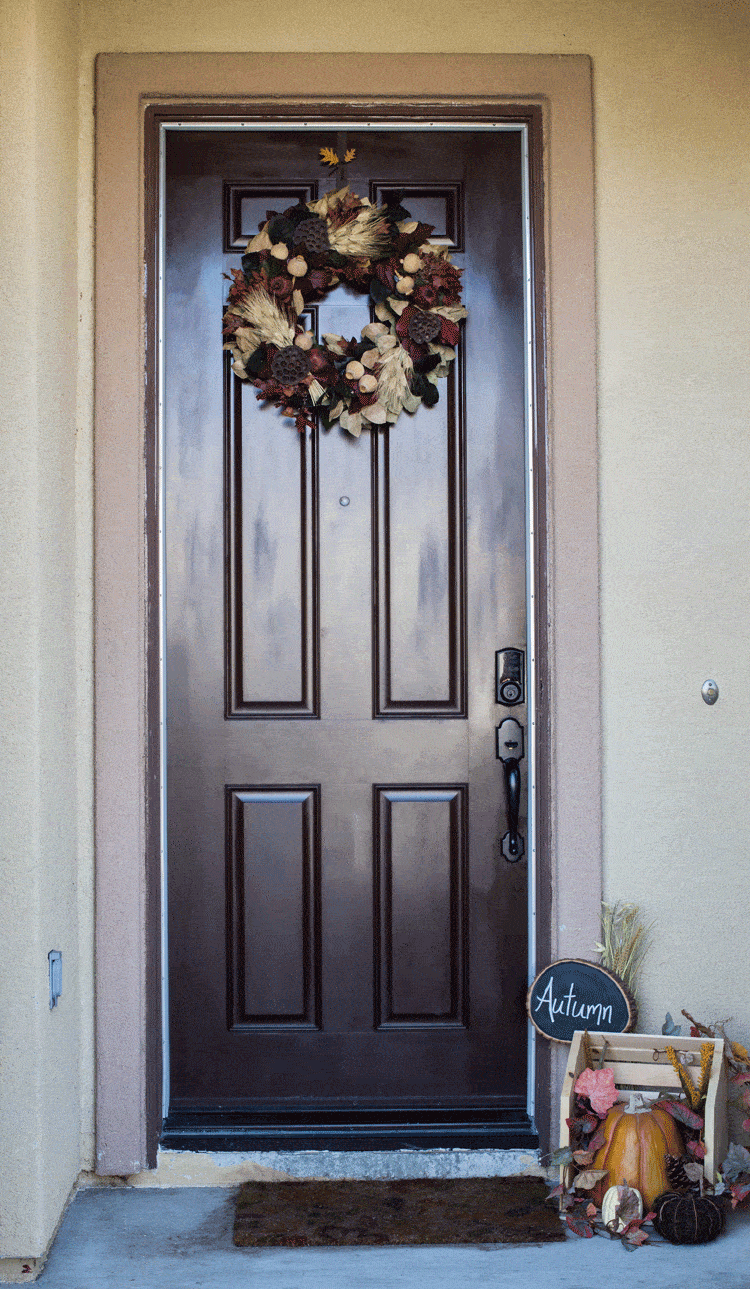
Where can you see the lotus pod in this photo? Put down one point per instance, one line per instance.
(290, 365)
(424, 327)
(313, 234)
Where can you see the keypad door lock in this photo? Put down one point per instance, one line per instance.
(509, 677)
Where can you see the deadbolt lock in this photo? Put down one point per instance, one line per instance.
(509, 677)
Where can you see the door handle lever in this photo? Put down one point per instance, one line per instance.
(510, 751)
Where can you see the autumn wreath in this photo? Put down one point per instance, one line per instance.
(301, 255)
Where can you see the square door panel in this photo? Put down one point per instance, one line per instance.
(438, 204)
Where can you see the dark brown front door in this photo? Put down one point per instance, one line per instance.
(347, 943)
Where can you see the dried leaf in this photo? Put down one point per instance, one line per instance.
(740, 1053)
(680, 1112)
(599, 1087)
(583, 1157)
(561, 1157)
(700, 1029)
(598, 1140)
(736, 1163)
(697, 1149)
(352, 422)
(584, 1123)
(693, 1170)
(336, 344)
(375, 414)
(588, 1180)
(453, 312)
(579, 1226)
(591, 1210)
(635, 1237)
(628, 1206)
(556, 1192)
(298, 301)
(739, 1192)
(261, 242)
(739, 1079)
(349, 155)
(329, 157)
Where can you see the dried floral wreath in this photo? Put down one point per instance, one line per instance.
(301, 255)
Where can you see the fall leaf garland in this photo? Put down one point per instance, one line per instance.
(295, 260)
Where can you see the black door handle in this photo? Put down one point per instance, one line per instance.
(510, 752)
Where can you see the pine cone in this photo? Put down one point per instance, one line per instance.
(290, 365)
(424, 327)
(675, 1169)
(313, 233)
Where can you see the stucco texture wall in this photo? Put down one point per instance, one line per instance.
(671, 125)
(44, 663)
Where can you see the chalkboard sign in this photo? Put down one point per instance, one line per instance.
(572, 994)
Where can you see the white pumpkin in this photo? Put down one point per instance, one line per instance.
(612, 1199)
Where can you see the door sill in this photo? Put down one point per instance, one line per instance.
(239, 1130)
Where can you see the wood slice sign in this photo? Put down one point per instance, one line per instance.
(572, 994)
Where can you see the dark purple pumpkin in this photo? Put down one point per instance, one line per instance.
(688, 1219)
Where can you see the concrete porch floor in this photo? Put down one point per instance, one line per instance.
(181, 1238)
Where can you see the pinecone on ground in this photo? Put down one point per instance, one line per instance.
(313, 234)
(290, 365)
(423, 327)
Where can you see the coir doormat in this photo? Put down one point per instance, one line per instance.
(471, 1210)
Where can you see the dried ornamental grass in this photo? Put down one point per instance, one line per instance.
(625, 942)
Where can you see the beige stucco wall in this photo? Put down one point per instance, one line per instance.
(671, 121)
(45, 823)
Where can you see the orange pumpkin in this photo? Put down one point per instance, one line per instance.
(634, 1151)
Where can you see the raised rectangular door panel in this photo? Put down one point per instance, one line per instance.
(272, 575)
(422, 914)
(273, 944)
(344, 932)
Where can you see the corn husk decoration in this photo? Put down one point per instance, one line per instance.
(294, 260)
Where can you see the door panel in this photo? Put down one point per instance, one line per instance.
(421, 866)
(343, 928)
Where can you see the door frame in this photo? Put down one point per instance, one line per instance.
(133, 93)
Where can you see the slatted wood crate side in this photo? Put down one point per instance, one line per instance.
(716, 1136)
(640, 1061)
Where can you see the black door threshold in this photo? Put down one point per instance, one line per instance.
(472, 1129)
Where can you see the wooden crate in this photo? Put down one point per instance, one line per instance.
(640, 1062)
